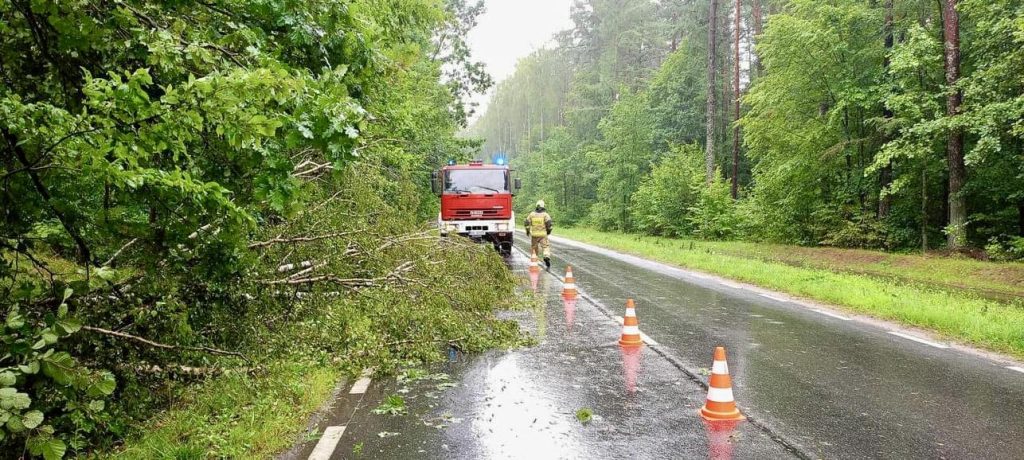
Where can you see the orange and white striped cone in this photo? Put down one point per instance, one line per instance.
(630, 327)
(569, 286)
(534, 263)
(720, 405)
(534, 280)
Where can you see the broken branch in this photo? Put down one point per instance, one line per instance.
(144, 341)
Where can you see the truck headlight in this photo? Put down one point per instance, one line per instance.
(502, 227)
(451, 228)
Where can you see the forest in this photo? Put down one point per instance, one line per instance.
(884, 124)
(227, 191)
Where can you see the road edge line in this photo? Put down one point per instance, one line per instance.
(919, 340)
(328, 443)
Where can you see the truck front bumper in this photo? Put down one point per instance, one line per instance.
(491, 230)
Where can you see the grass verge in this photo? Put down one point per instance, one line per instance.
(236, 416)
(961, 315)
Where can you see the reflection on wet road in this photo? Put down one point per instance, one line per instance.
(815, 384)
(835, 388)
(523, 404)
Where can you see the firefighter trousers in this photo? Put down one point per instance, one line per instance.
(541, 246)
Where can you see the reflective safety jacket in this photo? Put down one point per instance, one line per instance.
(538, 223)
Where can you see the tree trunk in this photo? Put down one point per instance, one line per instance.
(1020, 216)
(709, 148)
(758, 28)
(885, 174)
(957, 236)
(736, 103)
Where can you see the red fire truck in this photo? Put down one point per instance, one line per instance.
(476, 202)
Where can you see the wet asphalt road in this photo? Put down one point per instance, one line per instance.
(814, 386)
(832, 388)
(522, 404)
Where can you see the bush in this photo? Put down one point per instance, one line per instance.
(848, 228)
(1005, 248)
(715, 215)
(663, 202)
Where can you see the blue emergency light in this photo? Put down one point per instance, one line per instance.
(499, 161)
(451, 162)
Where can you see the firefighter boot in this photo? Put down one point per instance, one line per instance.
(547, 262)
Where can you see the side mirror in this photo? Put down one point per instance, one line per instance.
(518, 183)
(435, 183)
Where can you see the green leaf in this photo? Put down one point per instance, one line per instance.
(31, 368)
(105, 273)
(59, 367)
(584, 415)
(67, 294)
(392, 405)
(8, 379)
(11, 398)
(97, 405)
(39, 344)
(14, 424)
(104, 386)
(32, 419)
(50, 448)
(49, 337)
(15, 320)
(69, 325)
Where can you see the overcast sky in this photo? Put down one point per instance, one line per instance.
(512, 29)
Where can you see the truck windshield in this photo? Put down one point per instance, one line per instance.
(476, 181)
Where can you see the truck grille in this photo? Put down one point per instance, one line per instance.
(476, 212)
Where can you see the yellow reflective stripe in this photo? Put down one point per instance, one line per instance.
(537, 225)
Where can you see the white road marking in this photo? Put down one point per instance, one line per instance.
(775, 298)
(362, 384)
(328, 442)
(1015, 368)
(918, 339)
(826, 313)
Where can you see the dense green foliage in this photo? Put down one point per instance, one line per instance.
(187, 188)
(843, 137)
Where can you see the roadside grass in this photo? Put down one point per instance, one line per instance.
(960, 314)
(997, 281)
(236, 416)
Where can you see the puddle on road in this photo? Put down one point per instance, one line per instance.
(517, 421)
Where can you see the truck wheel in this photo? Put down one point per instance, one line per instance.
(505, 248)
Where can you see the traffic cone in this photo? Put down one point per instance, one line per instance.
(630, 327)
(534, 263)
(720, 405)
(569, 289)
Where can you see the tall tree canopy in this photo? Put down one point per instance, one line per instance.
(149, 149)
(852, 117)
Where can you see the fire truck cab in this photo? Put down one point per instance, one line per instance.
(476, 202)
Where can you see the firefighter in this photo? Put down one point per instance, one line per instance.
(538, 227)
